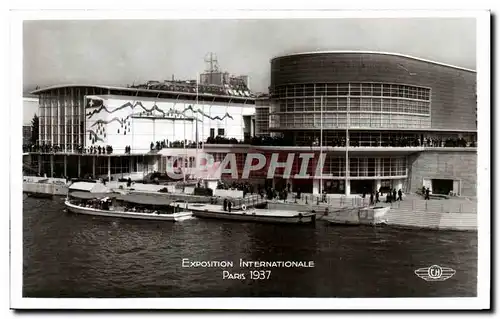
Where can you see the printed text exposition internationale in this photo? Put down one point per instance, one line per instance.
(186, 263)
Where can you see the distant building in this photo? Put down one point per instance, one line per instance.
(26, 134)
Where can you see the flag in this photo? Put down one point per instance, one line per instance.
(94, 102)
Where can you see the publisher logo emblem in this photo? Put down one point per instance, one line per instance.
(435, 273)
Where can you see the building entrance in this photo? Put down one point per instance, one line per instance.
(362, 186)
(304, 185)
(442, 186)
(334, 187)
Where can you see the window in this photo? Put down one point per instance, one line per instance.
(343, 89)
(320, 89)
(212, 132)
(355, 89)
(220, 132)
(366, 89)
(355, 104)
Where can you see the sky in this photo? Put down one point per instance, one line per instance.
(120, 52)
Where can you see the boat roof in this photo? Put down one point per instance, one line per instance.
(143, 199)
(88, 195)
(88, 187)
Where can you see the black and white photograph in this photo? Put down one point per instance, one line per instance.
(328, 161)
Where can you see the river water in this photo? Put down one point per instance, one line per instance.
(69, 255)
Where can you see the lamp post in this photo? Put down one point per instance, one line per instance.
(321, 148)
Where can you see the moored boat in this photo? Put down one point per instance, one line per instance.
(364, 216)
(251, 215)
(125, 206)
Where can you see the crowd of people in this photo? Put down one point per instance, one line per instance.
(262, 141)
(264, 192)
(341, 142)
(49, 148)
(159, 145)
(100, 150)
(391, 195)
(43, 148)
(255, 140)
(246, 187)
(239, 89)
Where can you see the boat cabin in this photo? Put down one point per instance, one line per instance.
(135, 203)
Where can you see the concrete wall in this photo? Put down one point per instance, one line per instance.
(448, 164)
(45, 188)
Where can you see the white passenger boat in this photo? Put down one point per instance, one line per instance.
(136, 206)
(251, 215)
(364, 216)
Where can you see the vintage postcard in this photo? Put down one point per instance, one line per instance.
(173, 161)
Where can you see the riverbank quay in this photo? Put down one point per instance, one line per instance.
(44, 186)
(412, 212)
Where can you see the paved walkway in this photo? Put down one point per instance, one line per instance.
(413, 211)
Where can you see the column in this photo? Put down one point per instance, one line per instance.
(316, 186)
(51, 165)
(378, 171)
(348, 187)
(39, 164)
(156, 160)
(131, 166)
(109, 168)
(65, 165)
(93, 166)
(58, 120)
(79, 166)
(72, 108)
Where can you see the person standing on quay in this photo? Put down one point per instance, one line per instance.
(400, 195)
(427, 194)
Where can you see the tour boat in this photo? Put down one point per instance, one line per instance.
(136, 206)
(364, 216)
(250, 215)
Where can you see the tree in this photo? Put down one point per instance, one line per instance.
(34, 129)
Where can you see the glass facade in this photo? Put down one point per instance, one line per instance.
(62, 116)
(262, 121)
(334, 166)
(364, 105)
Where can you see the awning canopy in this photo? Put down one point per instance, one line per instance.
(89, 187)
(142, 199)
(87, 195)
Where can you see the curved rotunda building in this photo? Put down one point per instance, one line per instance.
(386, 120)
